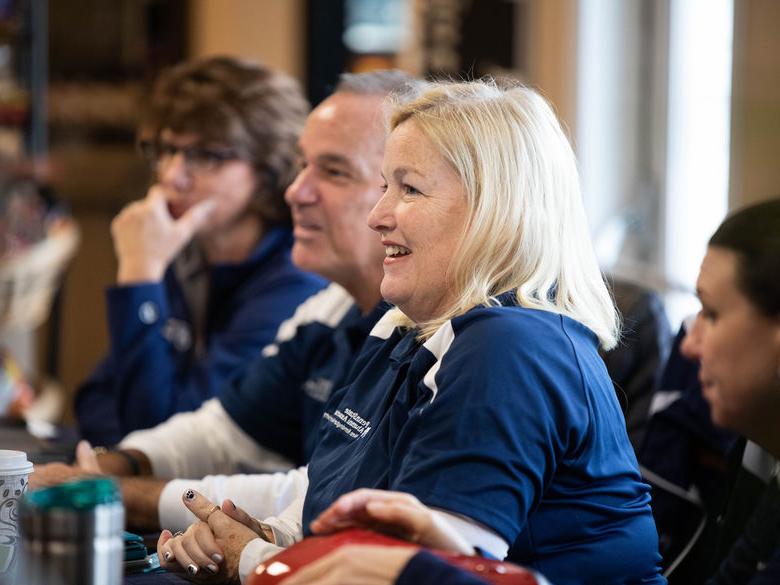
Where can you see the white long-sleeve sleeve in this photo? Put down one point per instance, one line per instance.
(476, 534)
(255, 552)
(287, 528)
(205, 441)
(261, 496)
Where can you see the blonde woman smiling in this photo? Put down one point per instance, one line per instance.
(482, 394)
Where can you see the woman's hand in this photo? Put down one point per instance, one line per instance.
(210, 550)
(194, 553)
(359, 564)
(394, 513)
(147, 238)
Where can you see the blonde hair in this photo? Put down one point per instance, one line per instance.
(526, 229)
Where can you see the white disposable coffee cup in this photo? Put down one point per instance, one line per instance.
(14, 472)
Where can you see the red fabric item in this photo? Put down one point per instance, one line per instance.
(287, 562)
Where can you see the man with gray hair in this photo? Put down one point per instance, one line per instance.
(266, 419)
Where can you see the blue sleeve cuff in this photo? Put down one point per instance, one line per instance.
(132, 309)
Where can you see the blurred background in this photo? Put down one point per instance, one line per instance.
(673, 107)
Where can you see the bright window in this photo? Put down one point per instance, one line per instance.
(653, 135)
(699, 121)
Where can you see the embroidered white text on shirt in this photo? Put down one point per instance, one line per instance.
(349, 422)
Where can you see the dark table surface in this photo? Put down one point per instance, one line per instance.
(14, 436)
(154, 579)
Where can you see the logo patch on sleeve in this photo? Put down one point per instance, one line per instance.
(318, 388)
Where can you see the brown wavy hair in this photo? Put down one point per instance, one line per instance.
(252, 109)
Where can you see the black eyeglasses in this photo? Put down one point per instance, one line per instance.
(197, 158)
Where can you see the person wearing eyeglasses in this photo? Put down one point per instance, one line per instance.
(204, 270)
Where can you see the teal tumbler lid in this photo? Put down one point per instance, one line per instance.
(84, 494)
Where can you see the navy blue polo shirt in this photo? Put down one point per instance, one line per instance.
(154, 370)
(279, 399)
(507, 416)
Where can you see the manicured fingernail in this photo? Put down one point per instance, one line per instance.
(167, 556)
(213, 568)
(189, 495)
(192, 569)
(217, 558)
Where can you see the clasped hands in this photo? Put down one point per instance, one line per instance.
(210, 550)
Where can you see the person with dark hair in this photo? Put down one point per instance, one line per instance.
(736, 338)
(204, 270)
(708, 470)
